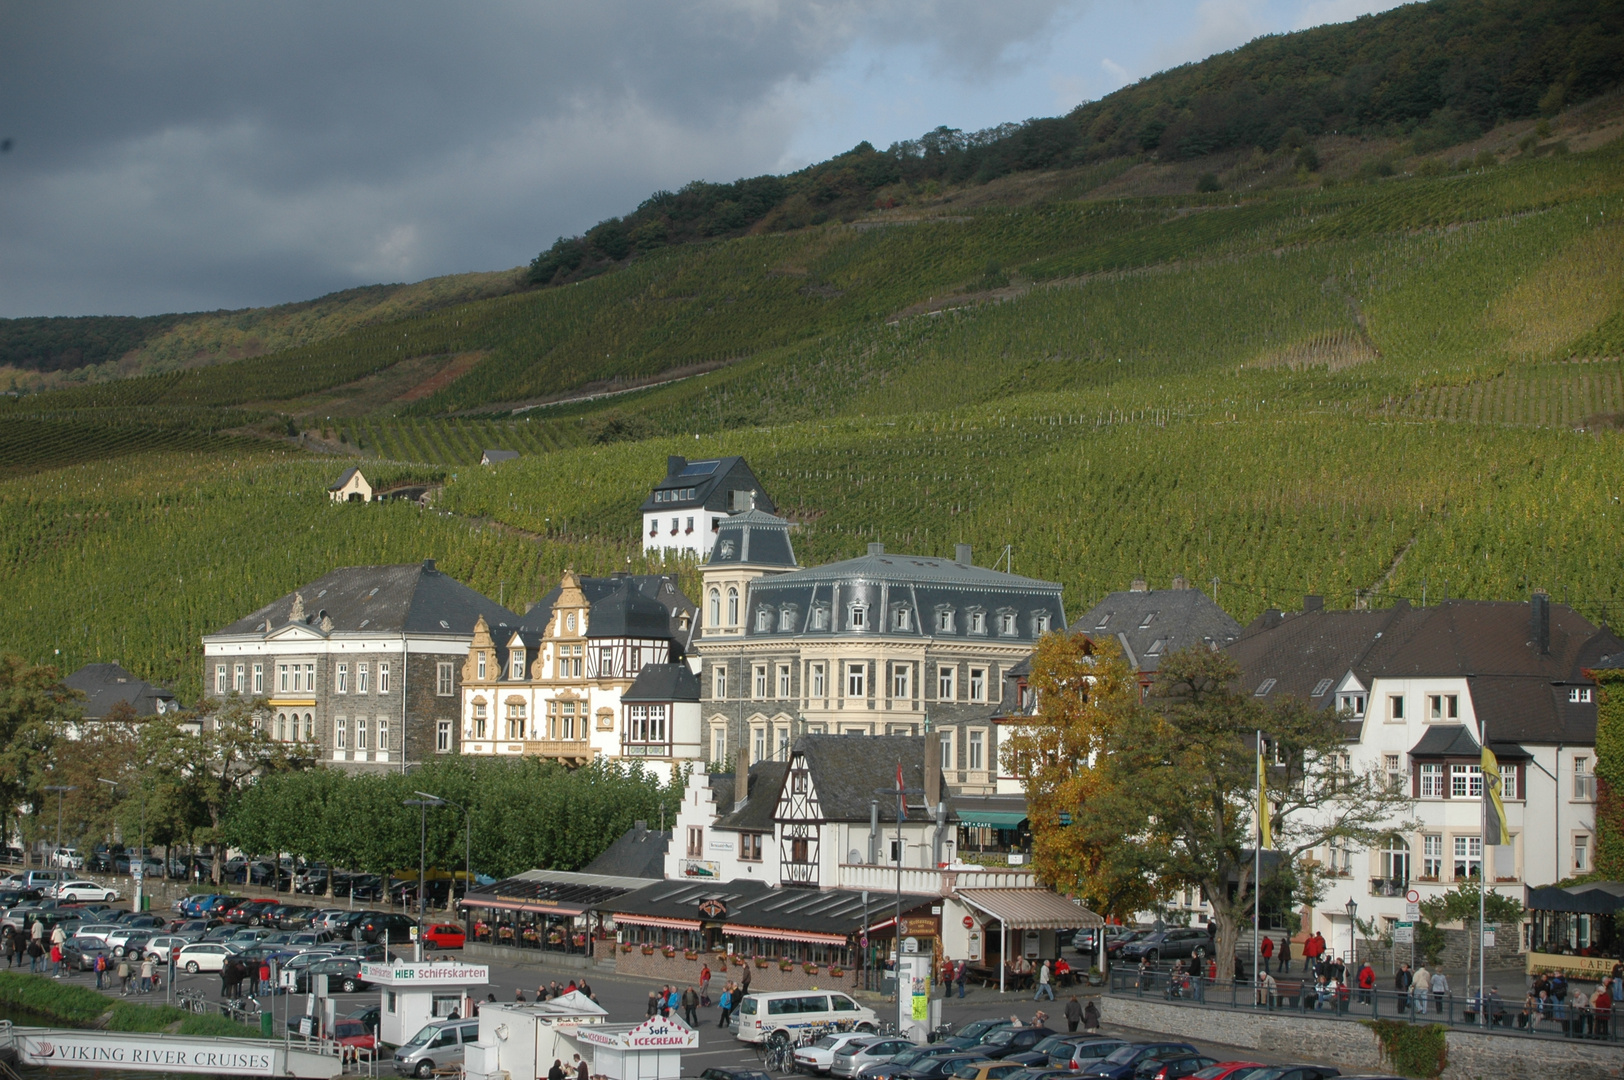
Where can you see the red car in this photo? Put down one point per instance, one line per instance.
(444, 936)
(1228, 1070)
(354, 1033)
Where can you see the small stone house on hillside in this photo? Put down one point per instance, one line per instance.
(491, 457)
(351, 487)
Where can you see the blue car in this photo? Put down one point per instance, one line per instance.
(1123, 1063)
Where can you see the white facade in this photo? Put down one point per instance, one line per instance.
(679, 532)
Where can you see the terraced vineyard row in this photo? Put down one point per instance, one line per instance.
(1588, 394)
(458, 442)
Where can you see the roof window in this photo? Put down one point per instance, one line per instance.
(1264, 687)
(1150, 618)
(1156, 647)
(1320, 687)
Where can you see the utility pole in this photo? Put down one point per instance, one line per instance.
(468, 837)
(422, 859)
(56, 855)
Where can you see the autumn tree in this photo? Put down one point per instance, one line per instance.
(34, 707)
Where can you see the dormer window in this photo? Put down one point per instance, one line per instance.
(1040, 623)
(820, 618)
(479, 664)
(1353, 704)
(786, 619)
(902, 619)
(569, 622)
(859, 617)
(517, 668)
(764, 620)
(978, 622)
(1579, 695)
(944, 621)
(1006, 623)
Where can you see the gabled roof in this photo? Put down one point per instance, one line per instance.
(1450, 740)
(663, 682)
(1151, 623)
(849, 771)
(691, 485)
(755, 814)
(639, 852)
(105, 685)
(624, 605)
(342, 480)
(414, 598)
(752, 538)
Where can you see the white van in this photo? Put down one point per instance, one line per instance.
(781, 1015)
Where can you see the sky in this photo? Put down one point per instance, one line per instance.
(186, 156)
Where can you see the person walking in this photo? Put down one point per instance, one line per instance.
(1401, 985)
(148, 968)
(744, 985)
(557, 1071)
(690, 1007)
(1043, 983)
(581, 1072)
(1266, 950)
(704, 985)
(725, 1003)
(653, 1005)
(960, 975)
(1367, 982)
(1285, 954)
(1418, 990)
(1440, 990)
(1091, 1016)
(1074, 1013)
(101, 970)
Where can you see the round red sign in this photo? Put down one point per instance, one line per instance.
(968, 922)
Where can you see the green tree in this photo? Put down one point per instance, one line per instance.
(34, 706)
(1461, 904)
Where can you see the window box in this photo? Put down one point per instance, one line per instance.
(786, 964)
(761, 963)
(625, 946)
(689, 954)
(670, 951)
(837, 972)
(810, 969)
(1433, 879)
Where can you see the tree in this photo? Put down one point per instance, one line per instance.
(1461, 903)
(82, 755)
(34, 705)
(1167, 789)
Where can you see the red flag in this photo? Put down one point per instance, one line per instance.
(902, 800)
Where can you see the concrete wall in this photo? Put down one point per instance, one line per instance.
(1352, 1046)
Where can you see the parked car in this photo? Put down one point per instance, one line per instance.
(312, 880)
(1115, 945)
(973, 1032)
(354, 1034)
(12, 896)
(1039, 1055)
(343, 975)
(163, 946)
(99, 931)
(1165, 945)
(985, 1070)
(141, 920)
(1001, 1042)
(1081, 1054)
(249, 912)
(67, 858)
(1123, 1063)
(128, 939)
(819, 1056)
(938, 1068)
(436, 1046)
(872, 1050)
(905, 1060)
(1228, 1070)
(203, 956)
(74, 891)
(1295, 1072)
(81, 952)
(370, 1015)
(397, 928)
(193, 929)
(448, 936)
(1177, 1068)
(294, 917)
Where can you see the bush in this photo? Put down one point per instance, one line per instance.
(1208, 182)
(1308, 159)
(1411, 1049)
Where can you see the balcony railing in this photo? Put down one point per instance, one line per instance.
(1389, 886)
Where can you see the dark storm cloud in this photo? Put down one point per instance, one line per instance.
(172, 156)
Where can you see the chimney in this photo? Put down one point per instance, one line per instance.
(675, 464)
(1181, 582)
(640, 825)
(1139, 584)
(1313, 603)
(933, 767)
(961, 554)
(741, 781)
(1540, 605)
(876, 549)
(428, 566)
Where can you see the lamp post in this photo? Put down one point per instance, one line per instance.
(422, 859)
(56, 855)
(138, 869)
(1353, 916)
(468, 837)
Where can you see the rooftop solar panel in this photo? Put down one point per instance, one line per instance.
(699, 468)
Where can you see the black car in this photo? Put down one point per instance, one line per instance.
(295, 917)
(369, 1015)
(1001, 1042)
(142, 919)
(1040, 1054)
(1176, 943)
(397, 928)
(733, 1074)
(1124, 1062)
(937, 1067)
(343, 974)
(80, 953)
(906, 1061)
(973, 1032)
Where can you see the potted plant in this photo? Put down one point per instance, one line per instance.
(670, 951)
(648, 950)
(1095, 978)
(785, 963)
(836, 971)
(761, 962)
(810, 968)
(689, 954)
(625, 946)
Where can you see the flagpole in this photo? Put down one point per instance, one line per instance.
(1257, 867)
(1483, 872)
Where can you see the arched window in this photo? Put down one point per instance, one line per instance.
(716, 607)
(732, 606)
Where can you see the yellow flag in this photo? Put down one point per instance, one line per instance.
(1263, 830)
(1495, 829)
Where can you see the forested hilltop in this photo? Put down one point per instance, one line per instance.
(1355, 364)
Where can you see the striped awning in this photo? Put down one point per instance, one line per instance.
(783, 935)
(1030, 909)
(533, 907)
(653, 920)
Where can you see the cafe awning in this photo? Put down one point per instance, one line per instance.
(992, 819)
(651, 920)
(1030, 909)
(783, 935)
(497, 903)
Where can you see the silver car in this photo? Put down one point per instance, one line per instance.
(875, 1048)
(437, 1045)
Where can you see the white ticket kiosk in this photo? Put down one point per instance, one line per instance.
(419, 994)
(520, 1041)
(651, 1050)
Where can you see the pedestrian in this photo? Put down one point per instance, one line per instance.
(580, 1068)
(690, 1006)
(1367, 982)
(19, 945)
(961, 972)
(1091, 1016)
(1440, 990)
(744, 985)
(673, 1002)
(1601, 1007)
(264, 976)
(1266, 950)
(557, 1071)
(1418, 990)
(36, 952)
(148, 967)
(1043, 983)
(704, 985)
(1401, 985)
(5, 943)
(653, 1003)
(56, 959)
(1074, 1013)
(725, 1002)
(518, 995)
(1495, 1007)
(101, 970)
(1313, 950)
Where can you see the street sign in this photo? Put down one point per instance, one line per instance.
(1412, 897)
(1488, 934)
(414, 933)
(1412, 913)
(1404, 933)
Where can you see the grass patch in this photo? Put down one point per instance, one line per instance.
(80, 1006)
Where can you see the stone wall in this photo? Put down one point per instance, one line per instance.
(679, 971)
(1504, 955)
(1352, 1046)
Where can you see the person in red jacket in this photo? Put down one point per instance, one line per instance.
(1367, 982)
(1266, 948)
(1313, 949)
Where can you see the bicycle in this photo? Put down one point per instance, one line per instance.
(780, 1057)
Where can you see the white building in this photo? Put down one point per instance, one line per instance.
(1419, 690)
(682, 514)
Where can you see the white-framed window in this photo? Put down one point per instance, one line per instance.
(1581, 853)
(732, 606)
(978, 684)
(1584, 783)
(479, 665)
(820, 618)
(1006, 624)
(976, 758)
(719, 682)
(978, 622)
(310, 677)
(758, 683)
(479, 720)
(516, 666)
(1432, 781)
(309, 728)
(716, 607)
(1432, 856)
(569, 619)
(1465, 782)
(859, 617)
(820, 680)
(783, 743)
(784, 682)
(361, 740)
(786, 620)
(341, 734)
(1352, 704)
(902, 680)
(1468, 857)
(442, 737)
(1508, 781)
(282, 678)
(646, 731)
(515, 720)
(764, 620)
(1040, 623)
(719, 743)
(442, 684)
(383, 677)
(259, 679)
(1443, 707)
(383, 733)
(903, 620)
(241, 683)
(363, 678)
(947, 748)
(944, 621)
(1396, 860)
(947, 679)
(696, 841)
(758, 744)
(341, 679)
(857, 680)
(1395, 771)
(1341, 856)
(1579, 695)
(1395, 707)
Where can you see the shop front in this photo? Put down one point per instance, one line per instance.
(1575, 930)
(543, 911)
(1015, 930)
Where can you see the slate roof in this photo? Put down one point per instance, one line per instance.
(1178, 618)
(342, 480)
(884, 583)
(415, 599)
(623, 605)
(752, 538)
(491, 457)
(755, 903)
(1517, 690)
(663, 682)
(710, 481)
(848, 770)
(638, 852)
(105, 685)
(755, 814)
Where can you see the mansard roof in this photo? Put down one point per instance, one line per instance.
(624, 606)
(693, 485)
(1151, 623)
(752, 538)
(663, 683)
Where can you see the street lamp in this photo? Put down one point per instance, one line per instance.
(422, 852)
(138, 869)
(468, 837)
(61, 790)
(1353, 916)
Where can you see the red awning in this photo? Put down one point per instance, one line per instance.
(783, 935)
(651, 920)
(530, 906)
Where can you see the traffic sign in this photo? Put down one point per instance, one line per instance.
(1412, 912)
(1412, 897)
(1404, 933)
